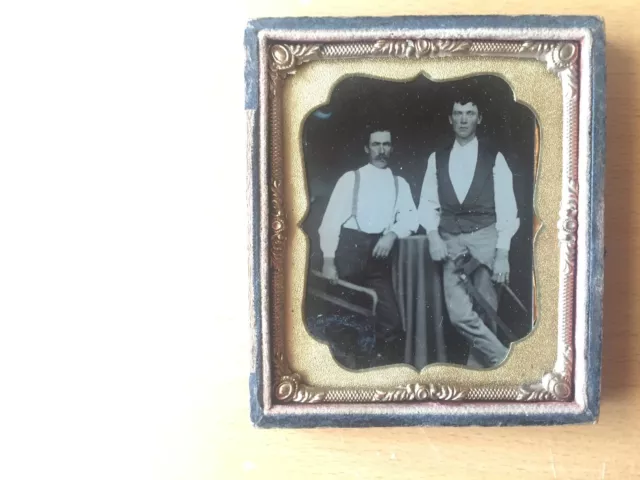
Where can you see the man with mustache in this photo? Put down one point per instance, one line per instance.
(368, 210)
(467, 205)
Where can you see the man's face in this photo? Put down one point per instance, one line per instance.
(379, 149)
(465, 120)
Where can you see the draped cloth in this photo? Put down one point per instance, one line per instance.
(417, 281)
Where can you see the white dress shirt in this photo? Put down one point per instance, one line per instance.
(462, 168)
(375, 212)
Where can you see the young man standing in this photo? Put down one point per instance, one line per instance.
(467, 205)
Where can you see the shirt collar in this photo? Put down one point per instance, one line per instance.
(471, 145)
(375, 170)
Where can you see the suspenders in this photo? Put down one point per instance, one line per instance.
(354, 199)
(395, 198)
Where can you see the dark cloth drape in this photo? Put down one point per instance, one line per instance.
(417, 281)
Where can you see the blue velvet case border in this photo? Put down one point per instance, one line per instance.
(596, 218)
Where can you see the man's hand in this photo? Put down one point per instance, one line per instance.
(437, 247)
(329, 270)
(501, 266)
(384, 245)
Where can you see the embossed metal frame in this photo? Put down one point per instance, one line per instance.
(573, 48)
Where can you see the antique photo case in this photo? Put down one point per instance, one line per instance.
(426, 201)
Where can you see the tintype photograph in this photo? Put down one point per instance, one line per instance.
(421, 221)
(426, 204)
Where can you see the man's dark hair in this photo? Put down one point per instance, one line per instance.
(464, 96)
(373, 128)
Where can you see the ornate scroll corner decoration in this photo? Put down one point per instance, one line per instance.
(420, 393)
(289, 387)
(419, 48)
(285, 58)
(561, 58)
(563, 61)
(553, 387)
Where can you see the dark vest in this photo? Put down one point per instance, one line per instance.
(478, 210)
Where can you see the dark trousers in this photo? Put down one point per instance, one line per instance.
(356, 264)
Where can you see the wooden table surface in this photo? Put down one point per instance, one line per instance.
(606, 450)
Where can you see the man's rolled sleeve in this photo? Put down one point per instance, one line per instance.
(507, 221)
(406, 214)
(429, 209)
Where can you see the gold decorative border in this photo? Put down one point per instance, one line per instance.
(561, 57)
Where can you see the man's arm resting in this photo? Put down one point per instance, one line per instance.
(437, 247)
(507, 221)
(406, 213)
(501, 266)
(329, 269)
(429, 207)
(384, 245)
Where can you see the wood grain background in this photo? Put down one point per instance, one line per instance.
(606, 450)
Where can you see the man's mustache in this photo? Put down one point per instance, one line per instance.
(382, 156)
